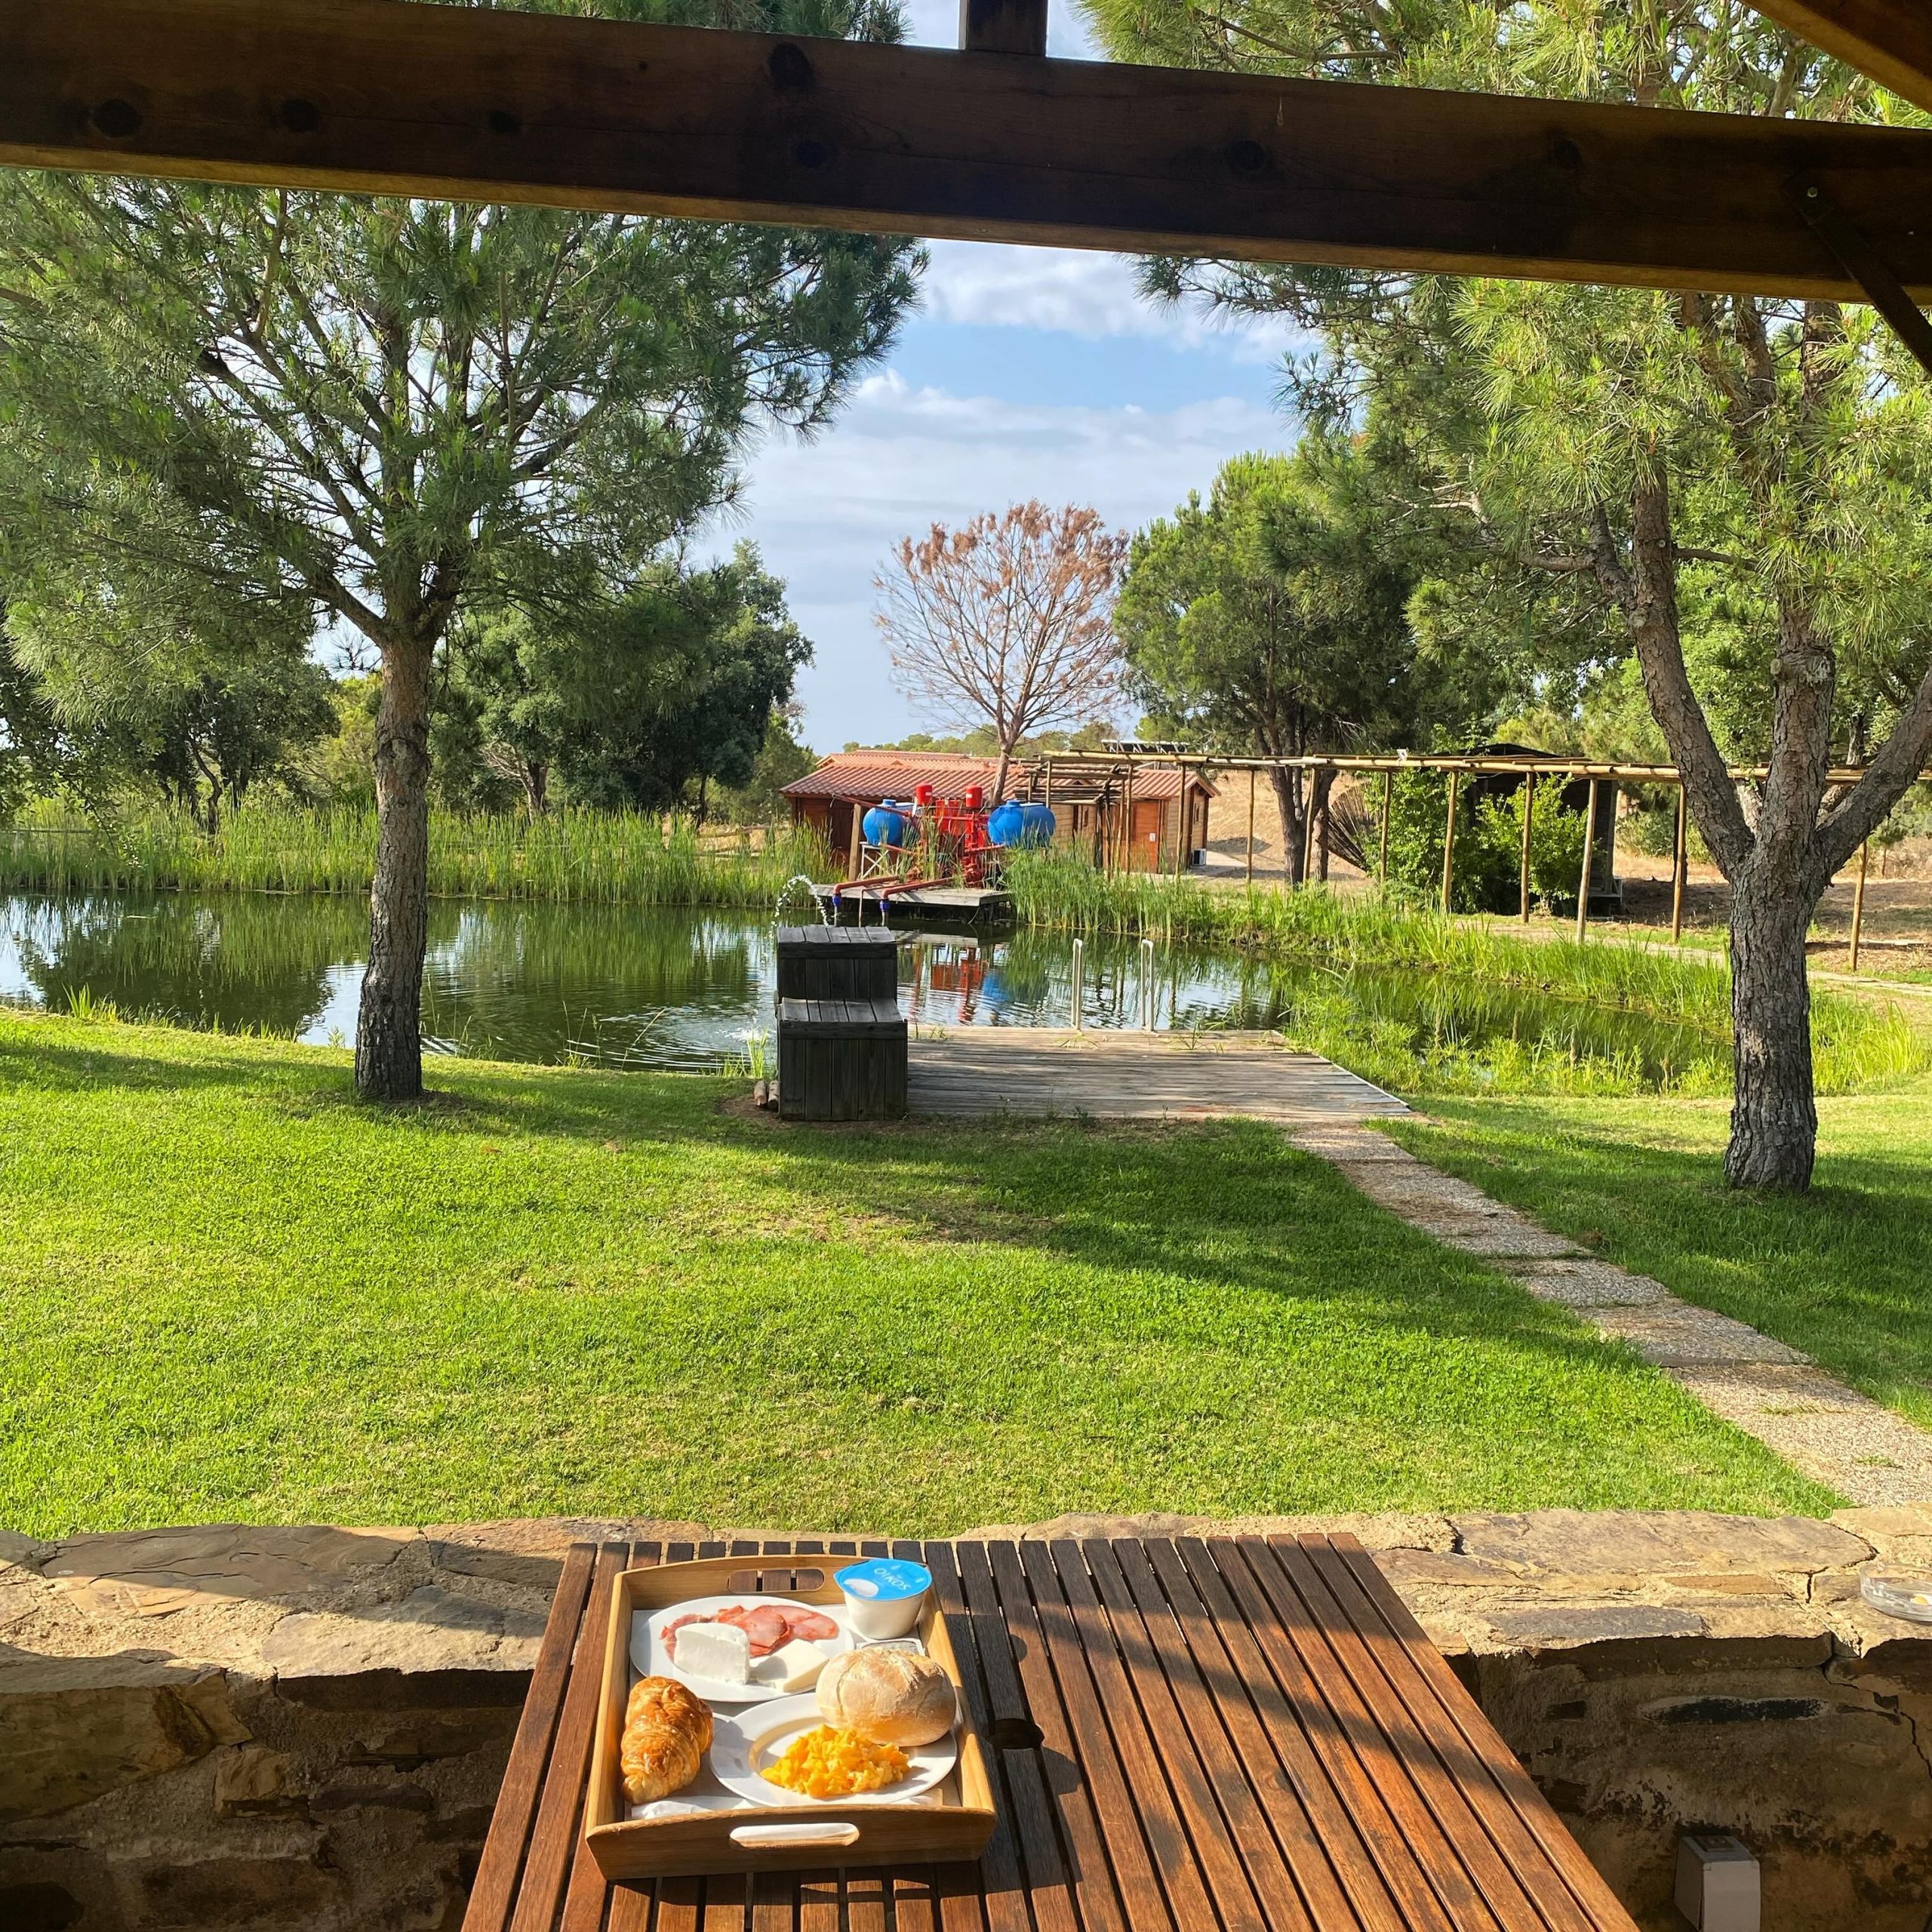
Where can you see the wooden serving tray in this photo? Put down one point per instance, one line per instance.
(740, 1839)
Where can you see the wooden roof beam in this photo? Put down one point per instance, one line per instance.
(1891, 40)
(374, 97)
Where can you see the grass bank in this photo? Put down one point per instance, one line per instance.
(1856, 1044)
(598, 857)
(231, 1292)
(1844, 1272)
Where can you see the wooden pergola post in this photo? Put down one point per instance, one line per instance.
(1251, 777)
(1127, 845)
(1589, 853)
(1388, 802)
(1858, 903)
(1449, 844)
(1308, 833)
(1183, 829)
(1680, 864)
(1529, 816)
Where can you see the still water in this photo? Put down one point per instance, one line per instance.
(670, 988)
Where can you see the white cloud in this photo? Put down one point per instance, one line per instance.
(1084, 294)
(826, 514)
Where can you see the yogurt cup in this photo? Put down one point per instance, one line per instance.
(884, 1596)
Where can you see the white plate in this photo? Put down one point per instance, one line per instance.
(743, 1742)
(650, 1658)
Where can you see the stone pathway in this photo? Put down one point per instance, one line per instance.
(1833, 1433)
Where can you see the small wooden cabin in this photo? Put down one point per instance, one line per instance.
(1094, 811)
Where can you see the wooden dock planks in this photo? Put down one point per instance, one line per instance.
(1249, 1736)
(1043, 1071)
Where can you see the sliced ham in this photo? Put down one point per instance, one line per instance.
(810, 1625)
(769, 1625)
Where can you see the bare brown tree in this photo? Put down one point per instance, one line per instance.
(1006, 622)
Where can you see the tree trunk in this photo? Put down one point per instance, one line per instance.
(1288, 802)
(1773, 1118)
(1322, 786)
(999, 776)
(389, 1041)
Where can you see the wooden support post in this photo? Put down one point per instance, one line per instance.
(1680, 864)
(1003, 26)
(1589, 853)
(852, 850)
(1252, 776)
(1128, 854)
(1388, 802)
(1529, 818)
(1858, 903)
(1308, 831)
(1183, 827)
(1449, 845)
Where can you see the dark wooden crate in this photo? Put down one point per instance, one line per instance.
(841, 1059)
(838, 963)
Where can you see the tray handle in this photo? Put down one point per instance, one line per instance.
(753, 1837)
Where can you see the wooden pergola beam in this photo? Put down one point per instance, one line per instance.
(371, 96)
(1891, 40)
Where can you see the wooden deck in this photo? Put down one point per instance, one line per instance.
(976, 904)
(1188, 1736)
(1108, 1075)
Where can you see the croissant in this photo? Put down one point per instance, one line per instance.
(667, 1731)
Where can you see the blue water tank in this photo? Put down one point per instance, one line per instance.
(883, 825)
(1013, 823)
(1006, 824)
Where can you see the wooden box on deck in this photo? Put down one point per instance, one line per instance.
(641, 1848)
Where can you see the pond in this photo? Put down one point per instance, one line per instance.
(665, 988)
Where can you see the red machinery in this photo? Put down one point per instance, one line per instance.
(945, 843)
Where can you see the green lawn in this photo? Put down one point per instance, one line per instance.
(1844, 1272)
(228, 1291)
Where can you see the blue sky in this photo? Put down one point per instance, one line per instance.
(1028, 372)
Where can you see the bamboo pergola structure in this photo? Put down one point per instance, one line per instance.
(1057, 768)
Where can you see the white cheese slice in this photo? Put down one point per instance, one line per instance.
(793, 1666)
(719, 1651)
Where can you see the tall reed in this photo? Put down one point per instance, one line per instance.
(1855, 1042)
(608, 857)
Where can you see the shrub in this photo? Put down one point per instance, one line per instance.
(1489, 838)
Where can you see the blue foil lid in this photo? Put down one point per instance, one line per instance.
(884, 1578)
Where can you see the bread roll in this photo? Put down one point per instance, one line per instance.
(667, 1731)
(887, 1697)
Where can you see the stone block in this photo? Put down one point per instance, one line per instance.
(1642, 1542)
(73, 1728)
(252, 1782)
(292, 1890)
(434, 1648)
(1566, 1626)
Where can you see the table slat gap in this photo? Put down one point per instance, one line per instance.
(1217, 1568)
(1026, 1828)
(1509, 1894)
(1009, 1630)
(1329, 1681)
(560, 1814)
(1203, 1874)
(493, 1895)
(1337, 1878)
(1437, 1680)
(1028, 1566)
(1212, 1778)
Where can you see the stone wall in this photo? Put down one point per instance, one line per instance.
(305, 1728)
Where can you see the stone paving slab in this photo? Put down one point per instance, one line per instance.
(1767, 1389)
(1587, 1284)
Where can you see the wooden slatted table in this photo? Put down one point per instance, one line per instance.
(1225, 1735)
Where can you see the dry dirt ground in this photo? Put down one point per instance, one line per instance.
(1897, 941)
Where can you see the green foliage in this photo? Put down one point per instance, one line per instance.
(1488, 855)
(1270, 618)
(644, 705)
(782, 758)
(1856, 1044)
(628, 1292)
(616, 858)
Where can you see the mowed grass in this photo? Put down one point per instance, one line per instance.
(228, 1291)
(1844, 1272)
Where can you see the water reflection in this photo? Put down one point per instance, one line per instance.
(661, 987)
